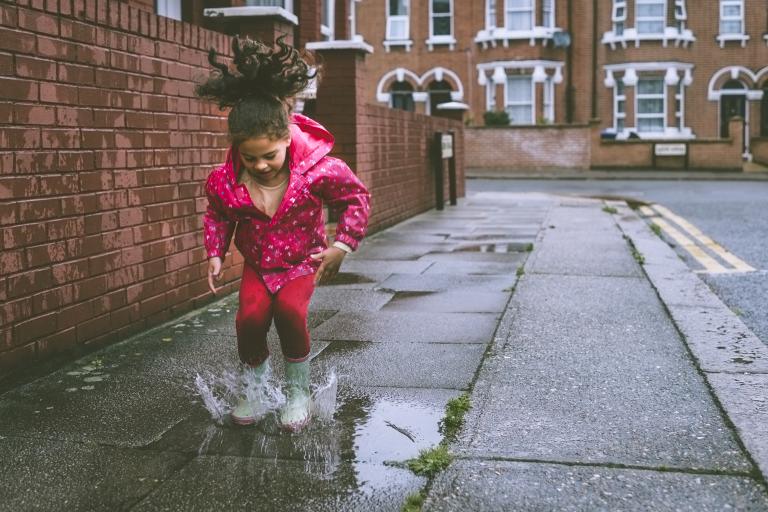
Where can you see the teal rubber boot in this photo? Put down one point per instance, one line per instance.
(296, 412)
(251, 408)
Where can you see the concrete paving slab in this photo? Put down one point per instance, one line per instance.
(518, 258)
(411, 365)
(504, 245)
(118, 410)
(409, 327)
(446, 282)
(247, 484)
(394, 235)
(474, 268)
(331, 298)
(580, 254)
(49, 474)
(679, 287)
(397, 250)
(526, 487)
(370, 425)
(745, 399)
(719, 340)
(449, 302)
(584, 356)
(385, 266)
(363, 280)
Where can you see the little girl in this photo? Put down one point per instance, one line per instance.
(270, 193)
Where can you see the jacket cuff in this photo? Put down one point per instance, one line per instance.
(346, 240)
(341, 245)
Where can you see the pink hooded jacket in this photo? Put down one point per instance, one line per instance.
(279, 247)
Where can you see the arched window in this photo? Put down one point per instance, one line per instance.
(439, 92)
(401, 96)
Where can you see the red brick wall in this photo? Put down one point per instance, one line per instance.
(394, 161)
(759, 148)
(103, 153)
(528, 148)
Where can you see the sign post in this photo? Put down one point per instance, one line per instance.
(443, 149)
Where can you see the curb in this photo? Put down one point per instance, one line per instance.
(731, 358)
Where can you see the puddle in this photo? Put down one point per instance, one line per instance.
(504, 248)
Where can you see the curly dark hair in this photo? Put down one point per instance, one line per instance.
(260, 93)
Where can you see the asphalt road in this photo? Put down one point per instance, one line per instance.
(733, 214)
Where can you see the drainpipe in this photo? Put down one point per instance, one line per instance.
(569, 93)
(595, 27)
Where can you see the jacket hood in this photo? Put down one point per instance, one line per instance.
(310, 142)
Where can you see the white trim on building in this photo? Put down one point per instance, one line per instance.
(512, 30)
(645, 78)
(732, 23)
(398, 25)
(437, 73)
(621, 35)
(438, 39)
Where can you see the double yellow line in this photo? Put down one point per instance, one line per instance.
(696, 243)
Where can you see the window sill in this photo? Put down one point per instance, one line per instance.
(341, 44)
(724, 38)
(671, 34)
(389, 43)
(492, 36)
(437, 40)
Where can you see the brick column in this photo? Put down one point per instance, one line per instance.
(340, 94)
(309, 15)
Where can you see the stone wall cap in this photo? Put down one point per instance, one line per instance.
(253, 11)
(341, 44)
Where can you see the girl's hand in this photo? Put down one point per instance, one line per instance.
(331, 261)
(214, 272)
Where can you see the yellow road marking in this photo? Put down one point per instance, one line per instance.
(709, 263)
(647, 211)
(706, 241)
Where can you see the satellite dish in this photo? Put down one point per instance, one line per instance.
(561, 39)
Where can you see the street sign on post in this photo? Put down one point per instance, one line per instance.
(443, 149)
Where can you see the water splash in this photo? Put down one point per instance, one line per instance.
(324, 398)
(221, 393)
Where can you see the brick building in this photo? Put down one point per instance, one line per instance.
(660, 69)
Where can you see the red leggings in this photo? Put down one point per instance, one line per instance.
(257, 308)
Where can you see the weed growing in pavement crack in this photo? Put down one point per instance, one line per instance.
(529, 248)
(656, 229)
(413, 502)
(431, 461)
(520, 271)
(454, 416)
(610, 209)
(638, 257)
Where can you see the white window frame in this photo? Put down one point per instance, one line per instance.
(725, 18)
(681, 14)
(548, 8)
(490, 14)
(619, 16)
(509, 11)
(168, 8)
(680, 105)
(650, 19)
(329, 9)
(448, 39)
(549, 99)
(392, 19)
(741, 36)
(663, 97)
(618, 97)
(490, 96)
(509, 103)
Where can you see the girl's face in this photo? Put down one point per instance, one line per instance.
(263, 157)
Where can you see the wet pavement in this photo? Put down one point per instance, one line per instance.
(584, 395)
